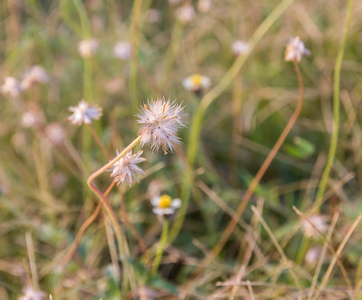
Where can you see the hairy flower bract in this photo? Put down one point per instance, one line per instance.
(125, 169)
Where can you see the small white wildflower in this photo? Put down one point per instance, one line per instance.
(153, 16)
(55, 133)
(88, 48)
(123, 50)
(185, 13)
(31, 294)
(161, 121)
(295, 50)
(84, 113)
(240, 47)
(165, 205)
(204, 5)
(313, 255)
(35, 75)
(196, 83)
(125, 169)
(11, 87)
(319, 222)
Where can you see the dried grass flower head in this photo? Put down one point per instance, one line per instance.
(87, 48)
(84, 113)
(34, 76)
(319, 223)
(123, 50)
(125, 169)
(165, 205)
(11, 87)
(161, 121)
(295, 50)
(196, 83)
(31, 294)
(240, 47)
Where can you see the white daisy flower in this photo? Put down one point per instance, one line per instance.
(160, 121)
(84, 113)
(295, 50)
(125, 169)
(319, 222)
(185, 13)
(31, 294)
(88, 48)
(196, 83)
(123, 50)
(35, 75)
(11, 87)
(240, 47)
(165, 205)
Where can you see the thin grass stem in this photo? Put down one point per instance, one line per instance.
(335, 254)
(336, 112)
(277, 246)
(161, 247)
(336, 259)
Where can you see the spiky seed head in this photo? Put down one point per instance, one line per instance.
(161, 121)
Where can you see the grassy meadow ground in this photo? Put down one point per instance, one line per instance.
(242, 229)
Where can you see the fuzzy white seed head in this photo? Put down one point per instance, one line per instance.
(31, 294)
(196, 83)
(295, 50)
(319, 222)
(123, 50)
(34, 76)
(84, 113)
(87, 48)
(240, 47)
(165, 205)
(160, 121)
(11, 87)
(125, 169)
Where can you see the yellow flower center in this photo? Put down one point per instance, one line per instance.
(165, 201)
(196, 80)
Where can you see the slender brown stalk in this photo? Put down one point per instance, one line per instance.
(229, 229)
(83, 228)
(124, 210)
